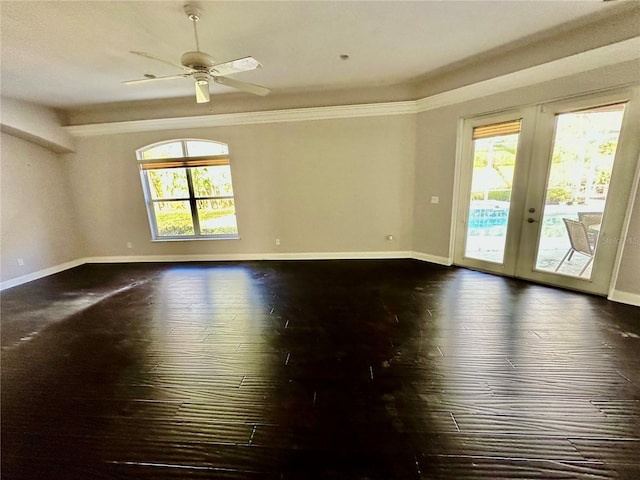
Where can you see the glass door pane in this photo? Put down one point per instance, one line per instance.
(584, 150)
(494, 158)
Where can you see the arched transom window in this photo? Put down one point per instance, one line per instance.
(188, 189)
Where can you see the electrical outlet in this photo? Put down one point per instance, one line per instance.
(277, 242)
(129, 245)
(21, 262)
(435, 200)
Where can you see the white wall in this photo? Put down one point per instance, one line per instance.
(326, 186)
(37, 213)
(628, 281)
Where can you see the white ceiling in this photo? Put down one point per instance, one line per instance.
(66, 54)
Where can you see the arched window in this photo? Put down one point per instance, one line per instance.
(188, 189)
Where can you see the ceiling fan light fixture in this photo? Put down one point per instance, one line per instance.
(202, 89)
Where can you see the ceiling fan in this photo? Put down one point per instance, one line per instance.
(203, 68)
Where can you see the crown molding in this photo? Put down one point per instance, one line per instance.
(248, 118)
(607, 55)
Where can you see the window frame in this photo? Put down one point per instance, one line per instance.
(188, 163)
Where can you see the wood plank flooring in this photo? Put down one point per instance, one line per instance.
(315, 370)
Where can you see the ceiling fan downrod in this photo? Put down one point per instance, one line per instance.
(194, 15)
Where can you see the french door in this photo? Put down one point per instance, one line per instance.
(543, 191)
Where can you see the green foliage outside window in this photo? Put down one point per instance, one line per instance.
(188, 197)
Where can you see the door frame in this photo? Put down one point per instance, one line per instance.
(536, 141)
(620, 189)
(464, 174)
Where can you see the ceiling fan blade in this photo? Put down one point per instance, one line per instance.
(244, 86)
(235, 66)
(145, 80)
(202, 91)
(152, 57)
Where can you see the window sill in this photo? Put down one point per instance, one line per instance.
(196, 239)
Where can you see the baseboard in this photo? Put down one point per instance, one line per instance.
(625, 297)
(14, 282)
(425, 257)
(172, 258)
(250, 256)
(340, 255)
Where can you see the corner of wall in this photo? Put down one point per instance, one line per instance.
(14, 282)
(425, 257)
(36, 124)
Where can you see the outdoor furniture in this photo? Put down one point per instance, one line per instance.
(579, 239)
(592, 221)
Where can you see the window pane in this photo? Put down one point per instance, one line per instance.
(217, 217)
(583, 154)
(494, 160)
(168, 183)
(173, 218)
(165, 150)
(212, 181)
(197, 148)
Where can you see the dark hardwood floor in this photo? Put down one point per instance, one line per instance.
(315, 370)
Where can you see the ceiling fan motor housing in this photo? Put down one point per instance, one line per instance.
(197, 60)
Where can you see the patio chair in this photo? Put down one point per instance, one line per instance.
(579, 242)
(589, 219)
